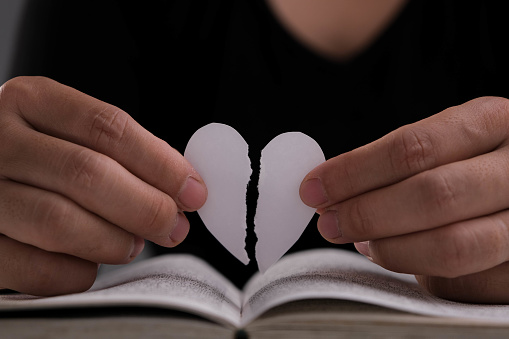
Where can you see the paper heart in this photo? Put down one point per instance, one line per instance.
(281, 216)
(220, 154)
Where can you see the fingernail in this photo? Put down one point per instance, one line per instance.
(363, 248)
(139, 244)
(328, 225)
(193, 194)
(312, 192)
(180, 230)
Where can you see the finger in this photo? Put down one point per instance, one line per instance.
(56, 224)
(458, 133)
(444, 195)
(66, 113)
(486, 287)
(96, 182)
(450, 251)
(30, 270)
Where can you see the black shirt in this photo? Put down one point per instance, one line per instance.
(178, 65)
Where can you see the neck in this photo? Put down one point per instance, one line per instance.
(336, 29)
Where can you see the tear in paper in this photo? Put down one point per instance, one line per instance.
(220, 155)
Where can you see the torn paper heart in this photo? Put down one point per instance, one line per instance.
(281, 216)
(220, 155)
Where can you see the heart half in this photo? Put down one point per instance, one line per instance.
(281, 216)
(220, 154)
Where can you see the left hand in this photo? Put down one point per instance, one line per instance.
(430, 199)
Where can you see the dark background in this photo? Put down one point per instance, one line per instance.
(178, 65)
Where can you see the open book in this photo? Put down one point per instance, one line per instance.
(185, 283)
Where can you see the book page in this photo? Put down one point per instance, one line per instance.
(179, 282)
(338, 274)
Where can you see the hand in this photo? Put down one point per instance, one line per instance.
(430, 199)
(81, 183)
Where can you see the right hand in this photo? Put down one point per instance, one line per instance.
(81, 183)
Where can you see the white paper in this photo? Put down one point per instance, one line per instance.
(339, 274)
(220, 155)
(281, 216)
(180, 282)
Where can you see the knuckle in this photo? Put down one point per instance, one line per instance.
(412, 149)
(342, 171)
(156, 215)
(16, 89)
(117, 254)
(110, 251)
(488, 114)
(83, 168)
(10, 91)
(108, 126)
(438, 191)
(501, 105)
(15, 85)
(58, 228)
(52, 217)
(497, 112)
(13, 93)
(361, 221)
(492, 105)
(499, 237)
